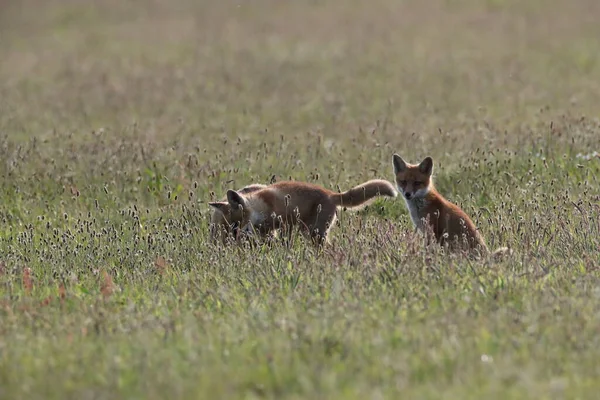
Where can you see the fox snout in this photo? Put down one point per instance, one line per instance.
(408, 195)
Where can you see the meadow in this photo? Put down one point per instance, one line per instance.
(120, 121)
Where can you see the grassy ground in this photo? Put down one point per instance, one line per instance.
(119, 121)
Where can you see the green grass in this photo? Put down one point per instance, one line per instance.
(119, 121)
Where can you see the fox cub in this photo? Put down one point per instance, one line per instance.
(283, 205)
(431, 213)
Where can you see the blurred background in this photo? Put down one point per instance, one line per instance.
(244, 65)
(442, 77)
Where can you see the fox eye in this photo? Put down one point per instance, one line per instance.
(418, 183)
(403, 183)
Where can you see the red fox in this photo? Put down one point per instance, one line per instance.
(432, 213)
(313, 208)
(224, 221)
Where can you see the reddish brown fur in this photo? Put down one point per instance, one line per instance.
(431, 212)
(449, 223)
(312, 207)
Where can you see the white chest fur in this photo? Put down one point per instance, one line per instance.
(416, 208)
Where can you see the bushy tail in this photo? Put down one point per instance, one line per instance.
(361, 194)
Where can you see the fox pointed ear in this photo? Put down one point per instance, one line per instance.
(399, 164)
(426, 166)
(221, 206)
(236, 200)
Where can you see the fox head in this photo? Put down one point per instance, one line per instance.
(229, 217)
(244, 212)
(413, 181)
(233, 218)
(233, 209)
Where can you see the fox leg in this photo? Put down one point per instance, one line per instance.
(323, 223)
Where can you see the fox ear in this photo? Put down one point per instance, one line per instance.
(399, 164)
(236, 200)
(426, 166)
(221, 206)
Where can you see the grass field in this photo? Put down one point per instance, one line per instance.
(120, 120)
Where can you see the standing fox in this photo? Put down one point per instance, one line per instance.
(432, 213)
(313, 208)
(224, 221)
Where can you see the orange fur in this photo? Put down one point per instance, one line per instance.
(311, 207)
(431, 212)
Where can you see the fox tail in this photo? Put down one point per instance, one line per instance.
(365, 192)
